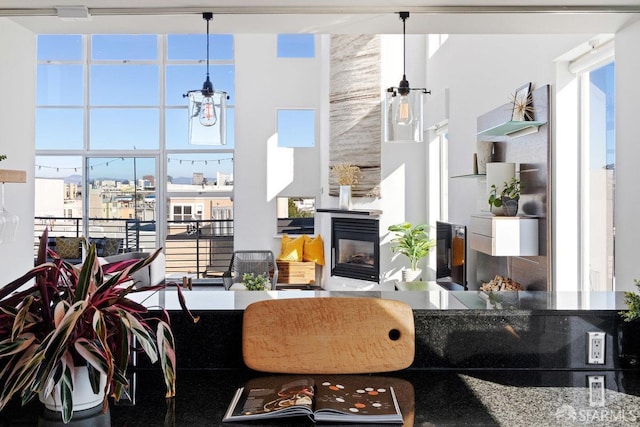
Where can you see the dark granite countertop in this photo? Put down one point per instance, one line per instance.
(429, 398)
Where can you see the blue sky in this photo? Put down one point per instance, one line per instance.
(124, 98)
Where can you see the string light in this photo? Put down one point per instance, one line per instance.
(107, 162)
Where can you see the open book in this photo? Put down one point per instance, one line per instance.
(343, 398)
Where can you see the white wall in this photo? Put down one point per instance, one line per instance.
(262, 171)
(627, 203)
(481, 72)
(17, 85)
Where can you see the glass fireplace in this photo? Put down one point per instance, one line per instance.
(355, 248)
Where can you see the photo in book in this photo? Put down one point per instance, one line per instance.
(335, 398)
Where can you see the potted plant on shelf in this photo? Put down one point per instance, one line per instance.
(61, 324)
(507, 198)
(347, 176)
(414, 243)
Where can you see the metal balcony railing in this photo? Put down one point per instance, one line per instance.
(199, 248)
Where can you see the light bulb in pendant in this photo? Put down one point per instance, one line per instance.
(207, 115)
(404, 115)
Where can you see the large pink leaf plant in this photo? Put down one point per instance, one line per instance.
(58, 316)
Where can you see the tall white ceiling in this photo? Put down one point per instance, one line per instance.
(329, 16)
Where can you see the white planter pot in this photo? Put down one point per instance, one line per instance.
(409, 275)
(83, 396)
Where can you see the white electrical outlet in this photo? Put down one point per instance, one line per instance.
(596, 390)
(595, 348)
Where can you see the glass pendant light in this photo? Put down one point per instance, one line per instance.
(207, 108)
(404, 104)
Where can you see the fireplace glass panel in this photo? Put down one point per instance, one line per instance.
(356, 252)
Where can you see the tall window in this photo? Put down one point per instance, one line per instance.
(598, 177)
(112, 138)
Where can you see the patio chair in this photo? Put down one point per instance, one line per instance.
(256, 262)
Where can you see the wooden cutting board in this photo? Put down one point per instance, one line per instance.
(328, 335)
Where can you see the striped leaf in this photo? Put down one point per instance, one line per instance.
(142, 334)
(13, 346)
(166, 347)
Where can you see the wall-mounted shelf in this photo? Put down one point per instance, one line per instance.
(13, 176)
(361, 212)
(513, 128)
(471, 175)
(504, 235)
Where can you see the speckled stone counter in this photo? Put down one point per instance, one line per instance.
(434, 398)
(518, 360)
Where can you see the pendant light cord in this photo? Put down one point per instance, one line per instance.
(404, 46)
(208, 18)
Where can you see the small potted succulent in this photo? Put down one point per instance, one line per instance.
(62, 325)
(254, 282)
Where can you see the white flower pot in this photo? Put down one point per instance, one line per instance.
(409, 275)
(83, 396)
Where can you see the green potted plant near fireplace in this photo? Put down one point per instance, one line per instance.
(62, 325)
(414, 243)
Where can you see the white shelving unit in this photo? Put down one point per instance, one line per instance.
(504, 235)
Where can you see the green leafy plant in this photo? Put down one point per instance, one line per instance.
(633, 302)
(511, 189)
(2, 157)
(255, 283)
(58, 316)
(412, 242)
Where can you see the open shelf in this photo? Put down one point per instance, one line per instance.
(513, 128)
(13, 176)
(471, 175)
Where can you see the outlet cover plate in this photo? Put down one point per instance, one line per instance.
(596, 348)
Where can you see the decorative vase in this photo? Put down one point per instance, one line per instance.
(509, 206)
(344, 200)
(485, 155)
(409, 275)
(83, 395)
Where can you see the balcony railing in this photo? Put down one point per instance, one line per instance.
(199, 248)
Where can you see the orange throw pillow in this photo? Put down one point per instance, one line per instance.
(291, 249)
(313, 249)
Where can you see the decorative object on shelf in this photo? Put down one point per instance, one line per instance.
(412, 242)
(507, 198)
(344, 198)
(404, 105)
(497, 174)
(254, 282)
(347, 175)
(57, 316)
(522, 104)
(8, 221)
(485, 155)
(207, 108)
